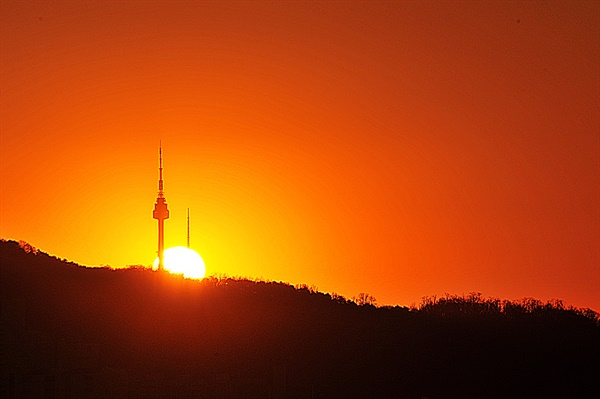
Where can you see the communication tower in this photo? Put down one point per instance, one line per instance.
(160, 212)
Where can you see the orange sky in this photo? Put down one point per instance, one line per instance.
(401, 149)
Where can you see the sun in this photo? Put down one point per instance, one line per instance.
(182, 260)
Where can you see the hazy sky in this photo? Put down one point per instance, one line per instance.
(403, 148)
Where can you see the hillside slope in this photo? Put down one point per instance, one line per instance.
(69, 331)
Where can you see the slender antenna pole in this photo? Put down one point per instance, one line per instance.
(188, 227)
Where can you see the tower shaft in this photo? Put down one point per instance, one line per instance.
(161, 244)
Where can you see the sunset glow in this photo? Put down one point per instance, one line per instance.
(182, 260)
(402, 149)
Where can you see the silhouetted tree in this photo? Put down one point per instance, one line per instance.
(363, 299)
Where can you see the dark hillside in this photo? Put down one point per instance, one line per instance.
(76, 332)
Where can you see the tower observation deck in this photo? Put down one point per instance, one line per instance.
(161, 212)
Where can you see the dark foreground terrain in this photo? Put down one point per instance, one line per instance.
(73, 332)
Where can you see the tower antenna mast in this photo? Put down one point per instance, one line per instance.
(161, 212)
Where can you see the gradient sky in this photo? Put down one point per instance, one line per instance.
(401, 148)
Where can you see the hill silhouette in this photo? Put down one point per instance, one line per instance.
(75, 332)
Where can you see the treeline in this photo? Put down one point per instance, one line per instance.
(474, 304)
(448, 305)
(70, 331)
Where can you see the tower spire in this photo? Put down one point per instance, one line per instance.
(161, 212)
(161, 187)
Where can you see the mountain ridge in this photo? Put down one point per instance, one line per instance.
(96, 332)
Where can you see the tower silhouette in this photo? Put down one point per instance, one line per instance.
(160, 212)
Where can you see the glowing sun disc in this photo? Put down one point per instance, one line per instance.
(182, 260)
